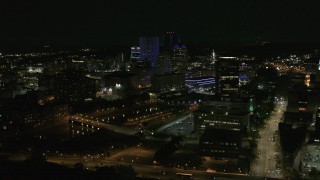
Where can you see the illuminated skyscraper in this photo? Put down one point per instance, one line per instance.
(149, 49)
(169, 40)
(135, 53)
(164, 64)
(227, 75)
(213, 57)
(180, 57)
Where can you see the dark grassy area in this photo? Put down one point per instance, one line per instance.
(35, 169)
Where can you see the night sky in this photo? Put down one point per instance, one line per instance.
(30, 23)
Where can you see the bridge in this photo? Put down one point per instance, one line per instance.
(102, 125)
(176, 120)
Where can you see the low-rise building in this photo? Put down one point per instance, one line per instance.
(40, 117)
(167, 82)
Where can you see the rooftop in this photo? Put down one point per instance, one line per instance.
(225, 108)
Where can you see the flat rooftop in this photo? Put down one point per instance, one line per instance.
(225, 108)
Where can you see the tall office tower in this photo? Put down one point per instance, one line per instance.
(180, 57)
(169, 40)
(227, 75)
(149, 49)
(213, 57)
(135, 53)
(164, 64)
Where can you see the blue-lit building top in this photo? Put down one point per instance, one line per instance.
(180, 57)
(149, 49)
(179, 46)
(205, 85)
(245, 73)
(169, 40)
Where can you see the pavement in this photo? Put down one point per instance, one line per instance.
(146, 170)
(182, 127)
(265, 164)
(98, 124)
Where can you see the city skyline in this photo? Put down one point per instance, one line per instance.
(151, 89)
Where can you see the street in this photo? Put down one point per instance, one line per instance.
(265, 164)
(148, 171)
(96, 123)
(143, 170)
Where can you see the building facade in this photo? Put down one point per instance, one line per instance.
(180, 57)
(149, 49)
(223, 115)
(227, 74)
(221, 143)
(167, 82)
(135, 53)
(74, 86)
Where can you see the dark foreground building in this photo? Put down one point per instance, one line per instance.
(221, 143)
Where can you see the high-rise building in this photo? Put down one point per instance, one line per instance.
(227, 75)
(135, 53)
(245, 73)
(164, 64)
(180, 57)
(169, 40)
(149, 49)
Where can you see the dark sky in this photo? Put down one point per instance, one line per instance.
(28, 23)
